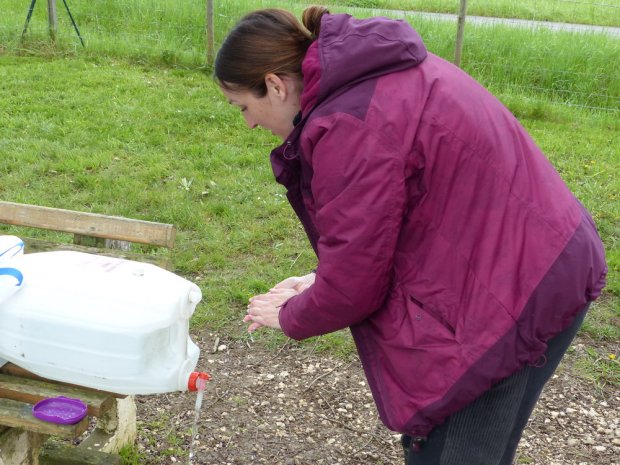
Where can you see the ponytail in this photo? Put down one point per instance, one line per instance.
(311, 18)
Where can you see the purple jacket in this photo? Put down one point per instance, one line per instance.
(446, 240)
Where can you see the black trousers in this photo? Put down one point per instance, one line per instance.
(487, 431)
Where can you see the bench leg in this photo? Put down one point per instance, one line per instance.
(19, 447)
(115, 429)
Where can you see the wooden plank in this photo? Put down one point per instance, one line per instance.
(88, 224)
(14, 370)
(19, 415)
(62, 454)
(32, 391)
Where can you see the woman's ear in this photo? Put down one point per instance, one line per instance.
(276, 86)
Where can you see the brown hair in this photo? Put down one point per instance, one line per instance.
(262, 42)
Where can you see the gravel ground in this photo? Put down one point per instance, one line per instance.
(295, 407)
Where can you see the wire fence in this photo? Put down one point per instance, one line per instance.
(575, 65)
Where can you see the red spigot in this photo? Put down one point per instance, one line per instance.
(192, 383)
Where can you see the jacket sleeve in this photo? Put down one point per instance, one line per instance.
(358, 196)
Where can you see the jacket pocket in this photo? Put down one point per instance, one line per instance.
(435, 314)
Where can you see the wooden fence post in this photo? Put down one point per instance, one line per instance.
(459, 33)
(210, 33)
(52, 18)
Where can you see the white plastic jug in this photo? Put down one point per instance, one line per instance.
(106, 323)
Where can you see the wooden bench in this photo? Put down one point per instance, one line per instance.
(24, 440)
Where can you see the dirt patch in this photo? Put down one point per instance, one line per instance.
(295, 407)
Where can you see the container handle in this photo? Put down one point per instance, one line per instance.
(14, 272)
(15, 247)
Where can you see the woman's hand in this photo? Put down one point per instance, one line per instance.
(299, 283)
(264, 309)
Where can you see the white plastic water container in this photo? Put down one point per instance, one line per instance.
(106, 323)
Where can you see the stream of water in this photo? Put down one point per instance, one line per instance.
(200, 390)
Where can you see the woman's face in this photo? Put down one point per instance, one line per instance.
(275, 111)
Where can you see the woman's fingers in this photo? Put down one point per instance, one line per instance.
(263, 314)
(275, 299)
(281, 290)
(253, 327)
(264, 309)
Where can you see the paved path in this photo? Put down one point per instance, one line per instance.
(524, 23)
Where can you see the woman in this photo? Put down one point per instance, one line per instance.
(446, 241)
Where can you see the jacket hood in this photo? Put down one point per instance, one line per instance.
(350, 50)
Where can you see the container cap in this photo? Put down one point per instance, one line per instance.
(61, 410)
(192, 383)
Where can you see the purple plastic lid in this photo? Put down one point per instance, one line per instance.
(61, 410)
